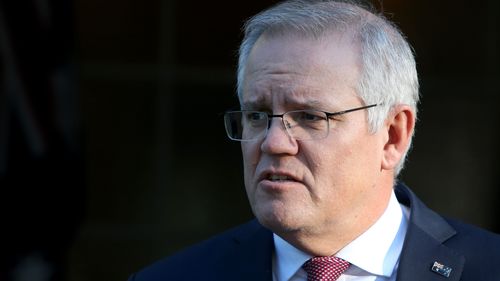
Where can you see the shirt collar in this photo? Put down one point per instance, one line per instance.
(380, 246)
(376, 251)
(288, 259)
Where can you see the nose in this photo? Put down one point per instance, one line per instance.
(277, 139)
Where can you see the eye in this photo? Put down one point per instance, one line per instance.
(255, 119)
(310, 116)
(255, 116)
(307, 120)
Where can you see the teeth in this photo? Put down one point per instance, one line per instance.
(278, 178)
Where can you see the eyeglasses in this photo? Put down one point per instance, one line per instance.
(248, 125)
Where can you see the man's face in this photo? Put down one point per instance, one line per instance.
(310, 187)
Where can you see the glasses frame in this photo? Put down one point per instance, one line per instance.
(329, 115)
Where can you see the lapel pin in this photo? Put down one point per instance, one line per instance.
(441, 269)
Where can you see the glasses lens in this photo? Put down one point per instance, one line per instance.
(306, 124)
(245, 125)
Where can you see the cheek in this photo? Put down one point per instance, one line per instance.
(250, 153)
(360, 162)
(334, 165)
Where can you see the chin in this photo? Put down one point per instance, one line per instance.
(278, 220)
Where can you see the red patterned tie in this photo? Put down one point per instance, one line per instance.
(325, 268)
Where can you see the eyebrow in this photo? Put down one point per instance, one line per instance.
(310, 104)
(262, 102)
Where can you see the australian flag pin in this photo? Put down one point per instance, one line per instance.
(441, 269)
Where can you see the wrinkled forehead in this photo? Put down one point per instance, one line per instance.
(291, 50)
(294, 69)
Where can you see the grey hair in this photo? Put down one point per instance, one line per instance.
(388, 75)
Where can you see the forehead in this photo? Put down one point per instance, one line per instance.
(301, 68)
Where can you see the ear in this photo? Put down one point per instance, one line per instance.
(399, 127)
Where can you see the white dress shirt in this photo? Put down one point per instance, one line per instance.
(374, 255)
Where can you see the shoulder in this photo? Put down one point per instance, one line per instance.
(455, 234)
(472, 251)
(476, 242)
(450, 231)
(205, 259)
(480, 248)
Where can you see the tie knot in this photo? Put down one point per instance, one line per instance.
(325, 268)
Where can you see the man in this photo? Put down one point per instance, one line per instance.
(328, 94)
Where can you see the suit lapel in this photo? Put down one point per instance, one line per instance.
(424, 256)
(252, 256)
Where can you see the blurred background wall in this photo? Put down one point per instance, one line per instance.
(112, 147)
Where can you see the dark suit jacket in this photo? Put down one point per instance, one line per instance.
(245, 252)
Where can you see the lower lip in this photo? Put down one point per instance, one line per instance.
(278, 186)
